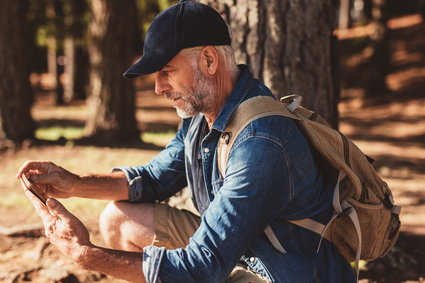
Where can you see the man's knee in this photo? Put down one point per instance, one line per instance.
(109, 223)
(125, 225)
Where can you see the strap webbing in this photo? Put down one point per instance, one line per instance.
(340, 207)
(310, 224)
(273, 239)
(248, 111)
(355, 218)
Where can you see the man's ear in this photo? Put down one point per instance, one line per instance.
(209, 60)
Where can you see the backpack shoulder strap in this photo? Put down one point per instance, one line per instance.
(248, 111)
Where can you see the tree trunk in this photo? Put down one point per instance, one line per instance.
(69, 70)
(81, 73)
(344, 14)
(379, 60)
(289, 45)
(76, 67)
(76, 71)
(16, 123)
(111, 51)
(54, 69)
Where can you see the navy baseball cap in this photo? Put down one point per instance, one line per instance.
(183, 25)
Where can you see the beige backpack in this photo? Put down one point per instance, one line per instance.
(365, 223)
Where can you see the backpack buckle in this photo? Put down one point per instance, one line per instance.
(225, 137)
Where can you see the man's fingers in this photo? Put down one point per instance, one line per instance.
(57, 209)
(41, 166)
(41, 210)
(42, 179)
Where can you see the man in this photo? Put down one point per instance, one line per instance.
(271, 174)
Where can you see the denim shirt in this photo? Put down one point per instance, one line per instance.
(271, 175)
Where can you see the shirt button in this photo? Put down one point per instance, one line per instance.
(252, 259)
(206, 150)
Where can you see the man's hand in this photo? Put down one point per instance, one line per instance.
(63, 229)
(72, 238)
(53, 181)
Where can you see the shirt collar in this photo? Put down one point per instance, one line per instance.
(237, 95)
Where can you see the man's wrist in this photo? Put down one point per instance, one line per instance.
(76, 184)
(120, 264)
(83, 255)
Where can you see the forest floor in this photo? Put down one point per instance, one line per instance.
(390, 129)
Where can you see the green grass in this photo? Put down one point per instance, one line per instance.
(160, 138)
(362, 265)
(54, 133)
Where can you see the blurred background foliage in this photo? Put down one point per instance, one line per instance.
(53, 53)
(68, 48)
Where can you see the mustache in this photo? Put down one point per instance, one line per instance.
(172, 95)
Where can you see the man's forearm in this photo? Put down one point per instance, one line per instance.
(119, 264)
(111, 186)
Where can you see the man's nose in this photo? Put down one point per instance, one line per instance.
(161, 85)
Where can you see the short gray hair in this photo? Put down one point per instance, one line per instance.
(224, 51)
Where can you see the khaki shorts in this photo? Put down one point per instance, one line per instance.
(174, 227)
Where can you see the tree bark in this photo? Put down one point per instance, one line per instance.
(111, 51)
(344, 14)
(69, 69)
(81, 73)
(76, 67)
(379, 61)
(289, 45)
(54, 69)
(16, 123)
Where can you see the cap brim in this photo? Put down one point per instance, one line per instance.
(150, 63)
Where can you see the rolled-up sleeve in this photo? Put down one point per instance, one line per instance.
(134, 180)
(162, 177)
(152, 257)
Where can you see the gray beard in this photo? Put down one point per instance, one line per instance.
(199, 98)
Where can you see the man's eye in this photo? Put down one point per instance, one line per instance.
(168, 71)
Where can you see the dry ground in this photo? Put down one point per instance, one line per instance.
(392, 131)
